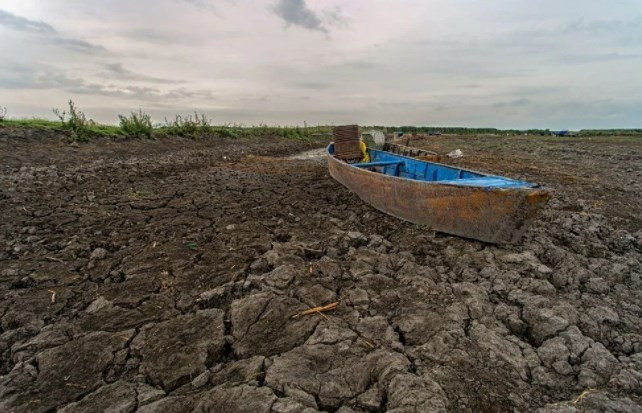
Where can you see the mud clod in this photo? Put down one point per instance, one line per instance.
(174, 351)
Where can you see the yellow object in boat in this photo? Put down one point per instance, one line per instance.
(364, 151)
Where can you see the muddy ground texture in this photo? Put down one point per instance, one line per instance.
(162, 276)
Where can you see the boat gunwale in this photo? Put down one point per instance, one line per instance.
(535, 187)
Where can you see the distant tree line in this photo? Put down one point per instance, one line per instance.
(494, 131)
(610, 132)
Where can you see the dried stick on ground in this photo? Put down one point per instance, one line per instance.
(581, 396)
(314, 310)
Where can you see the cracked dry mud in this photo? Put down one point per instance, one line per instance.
(162, 277)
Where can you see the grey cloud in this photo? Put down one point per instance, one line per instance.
(601, 26)
(624, 33)
(512, 103)
(77, 45)
(211, 6)
(116, 70)
(46, 31)
(141, 93)
(15, 75)
(20, 76)
(159, 37)
(38, 76)
(335, 17)
(23, 24)
(147, 94)
(152, 36)
(549, 42)
(296, 12)
(313, 85)
(597, 57)
(362, 64)
(203, 4)
(153, 95)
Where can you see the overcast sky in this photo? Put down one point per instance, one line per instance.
(502, 63)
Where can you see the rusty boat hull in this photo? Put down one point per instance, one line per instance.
(452, 200)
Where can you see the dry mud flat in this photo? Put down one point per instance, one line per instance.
(163, 276)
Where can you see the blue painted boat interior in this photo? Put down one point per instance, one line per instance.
(403, 167)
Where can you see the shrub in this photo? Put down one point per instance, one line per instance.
(138, 125)
(3, 113)
(188, 125)
(76, 121)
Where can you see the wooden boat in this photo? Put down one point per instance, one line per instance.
(456, 201)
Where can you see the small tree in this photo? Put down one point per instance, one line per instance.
(76, 121)
(137, 125)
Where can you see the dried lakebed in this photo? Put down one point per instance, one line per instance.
(163, 277)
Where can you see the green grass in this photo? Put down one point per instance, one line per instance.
(203, 130)
(97, 129)
(184, 130)
(139, 125)
(32, 123)
(106, 130)
(199, 125)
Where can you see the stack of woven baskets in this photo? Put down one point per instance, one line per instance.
(346, 142)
